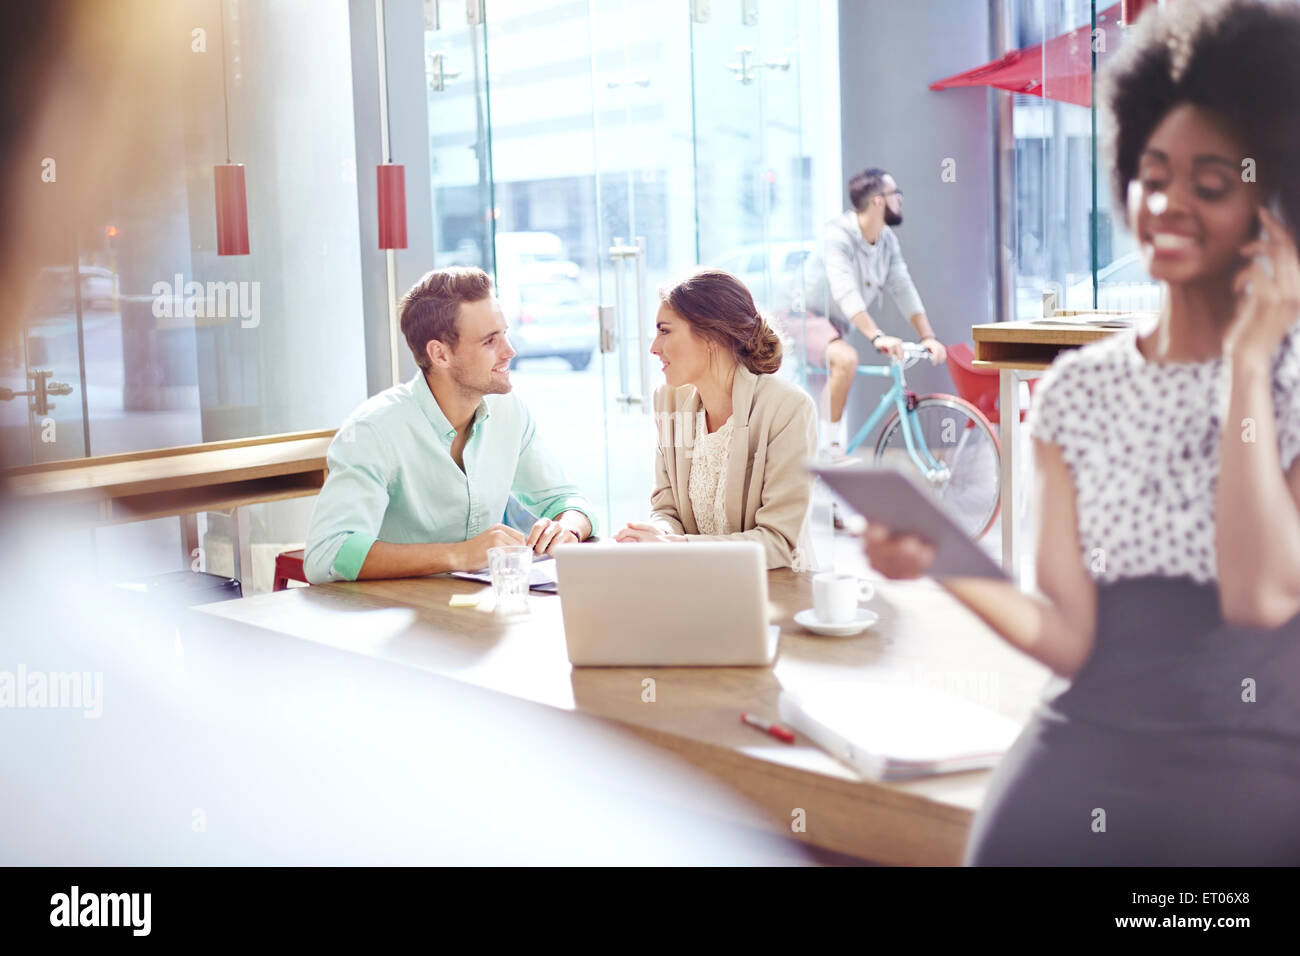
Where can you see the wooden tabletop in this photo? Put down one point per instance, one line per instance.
(1030, 345)
(214, 476)
(924, 637)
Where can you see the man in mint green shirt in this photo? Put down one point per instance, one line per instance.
(420, 474)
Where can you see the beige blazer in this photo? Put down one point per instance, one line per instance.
(769, 491)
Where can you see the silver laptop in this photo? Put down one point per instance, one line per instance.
(666, 605)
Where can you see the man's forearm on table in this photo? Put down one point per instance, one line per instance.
(388, 560)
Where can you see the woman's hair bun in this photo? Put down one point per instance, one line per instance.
(762, 353)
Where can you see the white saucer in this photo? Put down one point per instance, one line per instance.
(864, 619)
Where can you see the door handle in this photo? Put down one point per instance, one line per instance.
(744, 70)
(620, 252)
(40, 391)
(438, 72)
(641, 325)
(608, 328)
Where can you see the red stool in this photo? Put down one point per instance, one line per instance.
(979, 386)
(288, 567)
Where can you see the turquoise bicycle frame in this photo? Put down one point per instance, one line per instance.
(897, 397)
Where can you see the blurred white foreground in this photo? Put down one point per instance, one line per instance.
(218, 745)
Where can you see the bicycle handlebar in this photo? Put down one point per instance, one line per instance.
(913, 353)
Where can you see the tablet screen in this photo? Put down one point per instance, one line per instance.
(891, 498)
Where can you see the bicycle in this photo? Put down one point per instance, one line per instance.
(934, 434)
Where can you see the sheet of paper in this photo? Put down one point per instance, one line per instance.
(541, 577)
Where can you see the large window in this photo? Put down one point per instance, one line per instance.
(149, 337)
(1066, 235)
(182, 345)
(584, 152)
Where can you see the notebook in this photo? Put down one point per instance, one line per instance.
(898, 730)
(541, 577)
(1111, 320)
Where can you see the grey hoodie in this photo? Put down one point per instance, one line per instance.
(849, 273)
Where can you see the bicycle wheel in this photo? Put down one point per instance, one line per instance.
(959, 439)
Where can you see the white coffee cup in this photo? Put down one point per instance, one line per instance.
(836, 596)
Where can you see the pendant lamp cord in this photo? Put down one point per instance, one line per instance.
(382, 41)
(225, 95)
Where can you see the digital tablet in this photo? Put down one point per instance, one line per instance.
(893, 499)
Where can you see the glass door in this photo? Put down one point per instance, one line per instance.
(460, 155)
(42, 380)
(645, 216)
(549, 254)
(627, 142)
(754, 170)
(760, 169)
(733, 180)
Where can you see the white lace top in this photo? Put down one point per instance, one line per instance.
(708, 482)
(1141, 440)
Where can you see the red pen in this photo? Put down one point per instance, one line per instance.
(776, 730)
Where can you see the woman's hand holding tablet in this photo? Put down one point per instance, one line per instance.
(908, 534)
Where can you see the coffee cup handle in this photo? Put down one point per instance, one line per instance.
(866, 590)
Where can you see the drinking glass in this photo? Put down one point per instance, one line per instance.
(510, 568)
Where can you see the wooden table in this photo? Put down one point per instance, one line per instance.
(181, 481)
(924, 636)
(1021, 351)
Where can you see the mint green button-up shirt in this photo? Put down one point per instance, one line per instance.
(392, 478)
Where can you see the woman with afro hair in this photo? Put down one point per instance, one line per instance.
(1167, 469)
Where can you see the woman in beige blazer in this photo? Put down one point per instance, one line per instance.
(733, 439)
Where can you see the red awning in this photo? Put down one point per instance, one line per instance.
(1058, 70)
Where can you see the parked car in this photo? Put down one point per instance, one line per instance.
(1029, 298)
(522, 255)
(466, 253)
(55, 293)
(1123, 286)
(752, 264)
(553, 317)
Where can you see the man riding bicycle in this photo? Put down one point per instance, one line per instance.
(860, 255)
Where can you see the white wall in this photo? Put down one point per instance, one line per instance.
(890, 52)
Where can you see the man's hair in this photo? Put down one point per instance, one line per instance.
(430, 307)
(1237, 59)
(864, 185)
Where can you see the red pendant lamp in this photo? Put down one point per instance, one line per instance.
(232, 209)
(391, 182)
(390, 177)
(228, 181)
(1132, 9)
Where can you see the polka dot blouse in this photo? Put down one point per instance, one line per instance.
(1141, 440)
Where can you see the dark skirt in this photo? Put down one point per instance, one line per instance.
(1155, 754)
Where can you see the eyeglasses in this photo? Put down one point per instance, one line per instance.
(895, 192)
